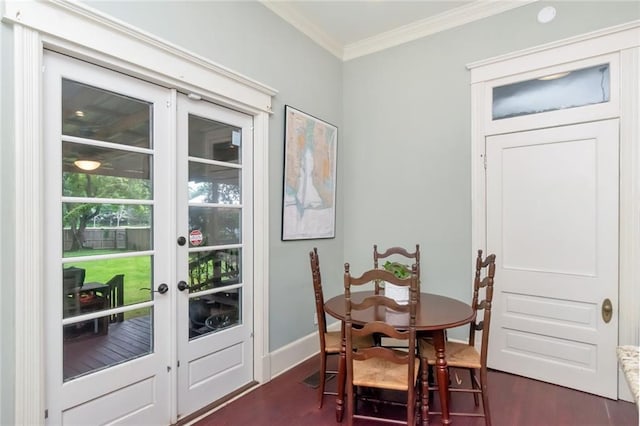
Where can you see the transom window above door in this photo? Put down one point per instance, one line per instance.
(561, 90)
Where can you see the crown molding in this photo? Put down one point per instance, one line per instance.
(304, 25)
(452, 18)
(462, 15)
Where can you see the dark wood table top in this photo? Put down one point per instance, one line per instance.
(434, 312)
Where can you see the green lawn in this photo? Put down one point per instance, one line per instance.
(136, 270)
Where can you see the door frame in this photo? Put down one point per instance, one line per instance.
(123, 48)
(621, 43)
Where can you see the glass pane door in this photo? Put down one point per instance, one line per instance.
(215, 346)
(107, 254)
(215, 230)
(107, 212)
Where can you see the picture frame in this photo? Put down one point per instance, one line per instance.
(309, 190)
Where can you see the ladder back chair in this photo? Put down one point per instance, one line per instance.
(390, 254)
(378, 367)
(465, 355)
(330, 341)
(395, 252)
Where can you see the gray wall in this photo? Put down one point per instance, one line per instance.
(248, 38)
(407, 136)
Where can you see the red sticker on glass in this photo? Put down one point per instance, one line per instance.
(195, 237)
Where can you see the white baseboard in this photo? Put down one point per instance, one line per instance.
(288, 356)
(294, 353)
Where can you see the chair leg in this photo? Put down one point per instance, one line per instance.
(424, 405)
(474, 385)
(350, 404)
(485, 396)
(323, 377)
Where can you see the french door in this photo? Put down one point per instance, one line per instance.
(215, 342)
(139, 319)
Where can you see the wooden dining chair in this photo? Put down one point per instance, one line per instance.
(377, 367)
(465, 355)
(394, 252)
(330, 341)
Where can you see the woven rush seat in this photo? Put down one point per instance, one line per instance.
(333, 341)
(383, 374)
(457, 354)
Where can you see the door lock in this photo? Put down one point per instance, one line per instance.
(182, 241)
(607, 310)
(182, 285)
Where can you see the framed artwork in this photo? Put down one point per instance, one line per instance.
(309, 199)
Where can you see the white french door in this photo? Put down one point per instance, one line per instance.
(143, 327)
(552, 220)
(107, 250)
(214, 199)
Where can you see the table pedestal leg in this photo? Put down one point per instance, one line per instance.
(442, 375)
(342, 375)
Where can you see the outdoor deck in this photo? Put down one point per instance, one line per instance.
(124, 340)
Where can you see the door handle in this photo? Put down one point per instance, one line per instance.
(607, 310)
(182, 285)
(162, 289)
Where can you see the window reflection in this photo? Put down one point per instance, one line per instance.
(119, 174)
(92, 113)
(581, 87)
(213, 184)
(216, 225)
(212, 140)
(214, 312)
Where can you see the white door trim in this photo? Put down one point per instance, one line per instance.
(62, 26)
(622, 40)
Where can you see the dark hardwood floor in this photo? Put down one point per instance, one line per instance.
(515, 401)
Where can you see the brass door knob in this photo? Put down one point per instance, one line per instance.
(607, 310)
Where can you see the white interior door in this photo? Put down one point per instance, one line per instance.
(552, 220)
(215, 253)
(108, 252)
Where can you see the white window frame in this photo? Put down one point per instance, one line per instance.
(62, 26)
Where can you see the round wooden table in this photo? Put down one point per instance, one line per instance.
(434, 315)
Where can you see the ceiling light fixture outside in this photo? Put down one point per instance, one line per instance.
(555, 76)
(87, 164)
(546, 14)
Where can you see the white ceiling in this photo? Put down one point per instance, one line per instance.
(352, 28)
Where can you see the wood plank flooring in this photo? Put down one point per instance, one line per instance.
(515, 401)
(123, 341)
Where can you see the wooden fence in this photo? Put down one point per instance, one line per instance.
(112, 238)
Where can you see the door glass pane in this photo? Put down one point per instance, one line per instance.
(212, 140)
(210, 226)
(103, 279)
(92, 229)
(215, 268)
(93, 113)
(572, 89)
(214, 184)
(95, 344)
(214, 312)
(118, 173)
(97, 285)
